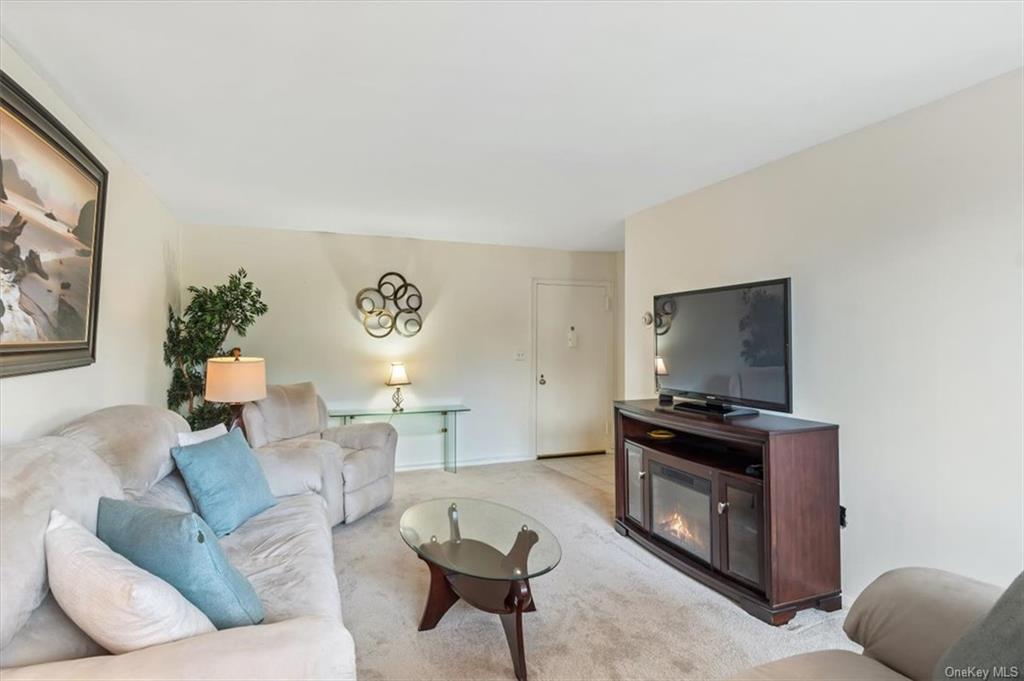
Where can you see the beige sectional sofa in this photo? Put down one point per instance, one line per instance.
(124, 452)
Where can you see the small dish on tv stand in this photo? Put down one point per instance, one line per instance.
(660, 434)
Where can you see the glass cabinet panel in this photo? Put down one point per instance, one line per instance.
(634, 483)
(743, 550)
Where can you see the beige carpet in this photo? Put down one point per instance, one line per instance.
(610, 610)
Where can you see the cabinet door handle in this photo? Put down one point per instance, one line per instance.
(643, 474)
(722, 507)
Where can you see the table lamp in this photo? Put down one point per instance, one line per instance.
(661, 370)
(235, 380)
(397, 377)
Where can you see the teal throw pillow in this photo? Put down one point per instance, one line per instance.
(182, 550)
(224, 480)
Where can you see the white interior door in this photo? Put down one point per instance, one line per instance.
(573, 368)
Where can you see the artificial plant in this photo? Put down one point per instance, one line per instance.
(198, 334)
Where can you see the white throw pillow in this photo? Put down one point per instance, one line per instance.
(194, 438)
(118, 604)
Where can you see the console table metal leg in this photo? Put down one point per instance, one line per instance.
(451, 437)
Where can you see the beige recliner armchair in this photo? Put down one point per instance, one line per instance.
(905, 620)
(352, 467)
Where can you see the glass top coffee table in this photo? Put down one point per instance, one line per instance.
(485, 554)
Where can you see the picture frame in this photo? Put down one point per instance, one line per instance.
(53, 194)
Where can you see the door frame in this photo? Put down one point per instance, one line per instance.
(609, 291)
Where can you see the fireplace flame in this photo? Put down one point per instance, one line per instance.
(676, 524)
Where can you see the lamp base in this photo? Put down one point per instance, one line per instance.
(236, 417)
(398, 399)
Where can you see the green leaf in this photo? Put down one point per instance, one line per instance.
(199, 333)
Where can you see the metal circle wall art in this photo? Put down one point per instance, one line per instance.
(663, 315)
(394, 305)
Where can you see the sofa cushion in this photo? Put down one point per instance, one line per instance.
(825, 665)
(181, 549)
(118, 604)
(224, 480)
(994, 641)
(48, 636)
(289, 411)
(135, 440)
(287, 554)
(39, 475)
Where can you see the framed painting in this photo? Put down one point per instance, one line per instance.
(52, 197)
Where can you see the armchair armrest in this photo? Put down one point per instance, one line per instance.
(292, 468)
(363, 436)
(302, 648)
(907, 618)
(255, 425)
(301, 466)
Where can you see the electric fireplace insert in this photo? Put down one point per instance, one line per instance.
(681, 509)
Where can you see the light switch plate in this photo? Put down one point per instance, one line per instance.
(520, 356)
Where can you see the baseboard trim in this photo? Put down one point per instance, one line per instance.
(569, 455)
(465, 463)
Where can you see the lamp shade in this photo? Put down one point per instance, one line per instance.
(397, 375)
(235, 379)
(659, 367)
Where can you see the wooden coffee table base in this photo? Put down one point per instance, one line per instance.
(508, 599)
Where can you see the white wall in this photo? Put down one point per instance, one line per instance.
(476, 317)
(138, 280)
(620, 311)
(904, 242)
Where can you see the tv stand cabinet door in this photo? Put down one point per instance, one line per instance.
(636, 484)
(741, 530)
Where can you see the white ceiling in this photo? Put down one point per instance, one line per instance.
(539, 124)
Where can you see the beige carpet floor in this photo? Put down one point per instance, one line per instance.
(610, 610)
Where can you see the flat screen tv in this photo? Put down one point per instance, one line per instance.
(726, 346)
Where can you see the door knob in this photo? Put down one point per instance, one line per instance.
(542, 381)
(722, 507)
(643, 474)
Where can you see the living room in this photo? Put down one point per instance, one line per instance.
(462, 249)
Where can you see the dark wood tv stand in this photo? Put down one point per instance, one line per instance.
(767, 540)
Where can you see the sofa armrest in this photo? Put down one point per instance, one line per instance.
(363, 436)
(907, 618)
(302, 466)
(302, 648)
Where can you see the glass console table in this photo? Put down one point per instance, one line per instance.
(449, 424)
